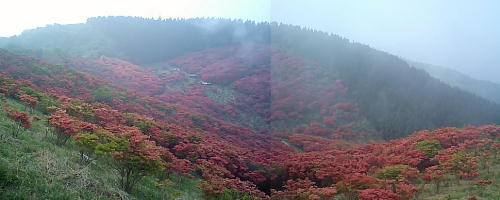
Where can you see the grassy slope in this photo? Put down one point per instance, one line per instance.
(33, 167)
(455, 189)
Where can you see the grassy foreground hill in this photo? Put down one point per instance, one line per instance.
(32, 166)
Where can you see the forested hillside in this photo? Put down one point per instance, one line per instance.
(485, 89)
(236, 110)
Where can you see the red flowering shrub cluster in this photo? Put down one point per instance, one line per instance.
(378, 194)
(21, 119)
(135, 154)
(303, 189)
(28, 100)
(294, 99)
(121, 73)
(67, 127)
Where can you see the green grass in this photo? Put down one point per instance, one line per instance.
(32, 166)
(462, 189)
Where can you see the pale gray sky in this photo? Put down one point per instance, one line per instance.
(18, 15)
(459, 34)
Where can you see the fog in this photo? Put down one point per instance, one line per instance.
(457, 34)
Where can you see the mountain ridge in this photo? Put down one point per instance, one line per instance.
(486, 89)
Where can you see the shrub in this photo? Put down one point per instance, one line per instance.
(21, 120)
(429, 147)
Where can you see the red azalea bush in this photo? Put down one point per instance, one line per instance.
(67, 127)
(378, 194)
(303, 189)
(21, 119)
(18, 116)
(28, 100)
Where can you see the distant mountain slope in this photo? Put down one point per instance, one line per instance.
(393, 96)
(2, 41)
(381, 90)
(137, 39)
(485, 89)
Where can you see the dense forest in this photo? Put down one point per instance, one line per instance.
(485, 89)
(244, 110)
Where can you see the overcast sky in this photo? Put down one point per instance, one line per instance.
(459, 34)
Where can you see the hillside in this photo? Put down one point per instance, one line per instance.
(384, 88)
(430, 161)
(32, 166)
(239, 110)
(189, 143)
(484, 89)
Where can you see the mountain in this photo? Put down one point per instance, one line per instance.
(245, 110)
(383, 94)
(71, 149)
(485, 89)
(137, 39)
